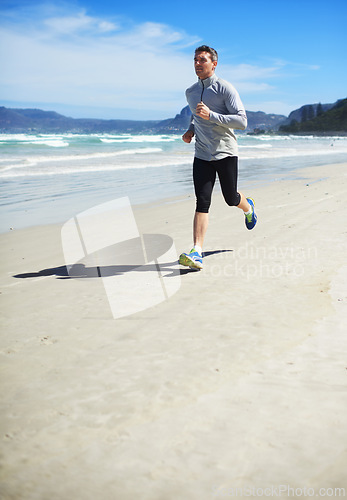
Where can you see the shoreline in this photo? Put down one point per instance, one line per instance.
(51, 180)
(265, 178)
(234, 378)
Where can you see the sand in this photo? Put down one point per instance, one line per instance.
(232, 384)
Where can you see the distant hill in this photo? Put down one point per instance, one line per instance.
(36, 120)
(317, 118)
(307, 111)
(310, 118)
(178, 124)
(256, 120)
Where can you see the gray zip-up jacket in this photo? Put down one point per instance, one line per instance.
(215, 138)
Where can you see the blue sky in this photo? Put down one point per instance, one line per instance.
(111, 59)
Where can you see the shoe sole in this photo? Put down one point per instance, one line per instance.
(184, 260)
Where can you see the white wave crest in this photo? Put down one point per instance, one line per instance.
(55, 141)
(138, 138)
(27, 170)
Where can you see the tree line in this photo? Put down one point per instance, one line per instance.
(334, 119)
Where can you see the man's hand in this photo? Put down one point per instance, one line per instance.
(203, 111)
(188, 136)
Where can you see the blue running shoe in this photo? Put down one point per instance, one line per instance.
(192, 260)
(251, 219)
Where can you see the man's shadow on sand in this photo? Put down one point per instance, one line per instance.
(86, 267)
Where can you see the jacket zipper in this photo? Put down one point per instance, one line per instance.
(202, 92)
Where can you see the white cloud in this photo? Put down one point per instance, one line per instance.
(76, 24)
(246, 72)
(79, 59)
(65, 57)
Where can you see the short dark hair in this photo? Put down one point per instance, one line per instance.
(210, 50)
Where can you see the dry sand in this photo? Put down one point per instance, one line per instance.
(234, 384)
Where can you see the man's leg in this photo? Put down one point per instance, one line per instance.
(228, 174)
(204, 175)
(200, 225)
(244, 205)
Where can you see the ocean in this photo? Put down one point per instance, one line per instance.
(48, 178)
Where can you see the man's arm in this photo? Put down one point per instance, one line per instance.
(188, 136)
(235, 121)
(236, 117)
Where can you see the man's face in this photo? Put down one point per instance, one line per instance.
(203, 64)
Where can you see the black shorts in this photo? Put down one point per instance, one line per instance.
(204, 175)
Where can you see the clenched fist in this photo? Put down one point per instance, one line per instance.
(188, 136)
(203, 111)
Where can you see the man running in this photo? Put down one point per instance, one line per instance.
(216, 111)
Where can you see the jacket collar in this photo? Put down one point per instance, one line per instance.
(208, 81)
